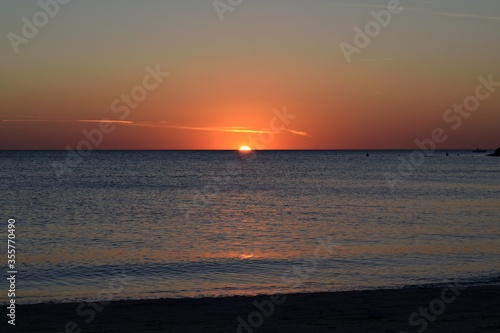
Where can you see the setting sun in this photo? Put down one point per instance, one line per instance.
(245, 148)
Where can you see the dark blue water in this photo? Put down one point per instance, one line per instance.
(130, 225)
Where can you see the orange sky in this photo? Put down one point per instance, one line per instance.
(226, 77)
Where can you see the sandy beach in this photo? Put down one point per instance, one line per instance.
(475, 309)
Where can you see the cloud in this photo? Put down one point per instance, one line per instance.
(359, 5)
(448, 14)
(28, 120)
(165, 125)
(218, 129)
(375, 59)
(465, 15)
(371, 5)
(123, 122)
(295, 132)
(221, 129)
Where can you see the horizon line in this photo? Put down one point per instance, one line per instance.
(261, 150)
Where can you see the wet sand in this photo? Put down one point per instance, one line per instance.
(475, 309)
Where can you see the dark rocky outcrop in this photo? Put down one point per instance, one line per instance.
(496, 153)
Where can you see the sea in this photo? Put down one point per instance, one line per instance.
(120, 225)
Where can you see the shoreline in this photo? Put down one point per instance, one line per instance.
(449, 309)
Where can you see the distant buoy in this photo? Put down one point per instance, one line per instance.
(367, 155)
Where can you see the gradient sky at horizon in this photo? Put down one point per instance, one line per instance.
(226, 78)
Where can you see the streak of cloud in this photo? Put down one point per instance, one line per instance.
(465, 15)
(28, 120)
(123, 122)
(359, 5)
(296, 132)
(375, 59)
(166, 125)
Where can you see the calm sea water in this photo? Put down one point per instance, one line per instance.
(134, 225)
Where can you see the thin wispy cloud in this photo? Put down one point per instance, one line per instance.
(295, 132)
(441, 13)
(165, 125)
(219, 129)
(370, 5)
(359, 5)
(465, 15)
(28, 120)
(376, 59)
(123, 122)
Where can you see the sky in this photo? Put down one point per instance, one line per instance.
(199, 74)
